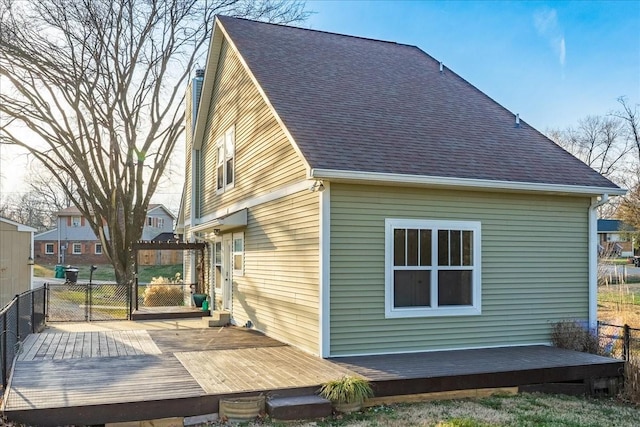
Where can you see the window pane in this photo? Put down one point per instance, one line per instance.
(220, 154)
(467, 248)
(455, 238)
(412, 247)
(220, 177)
(237, 245)
(425, 247)
(443, 247)
(229, 145)
(454, 287)
(411, 288)
(398, 246)
(218, 258)
(237, 262)
(230, 171)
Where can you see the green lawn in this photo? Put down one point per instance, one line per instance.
(522, 410)
(105, 273)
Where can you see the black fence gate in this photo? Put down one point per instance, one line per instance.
(81, 302)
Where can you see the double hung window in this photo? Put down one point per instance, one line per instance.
(432, 268)
(225, 166)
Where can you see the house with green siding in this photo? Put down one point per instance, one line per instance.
(359, 197)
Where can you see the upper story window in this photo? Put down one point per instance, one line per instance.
(225, 170)
(432, 268)
(76, 221)
(154, 221)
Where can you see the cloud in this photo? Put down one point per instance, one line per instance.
(547, 26)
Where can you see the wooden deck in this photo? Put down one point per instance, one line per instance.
(111, 376)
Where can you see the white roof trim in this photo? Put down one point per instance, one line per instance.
(444, 182)
(235, 220)
(21, 227)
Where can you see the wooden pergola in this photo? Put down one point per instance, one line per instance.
(163, 246)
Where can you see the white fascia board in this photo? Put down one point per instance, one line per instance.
(213, 56)
(460, 183)
(263, 95)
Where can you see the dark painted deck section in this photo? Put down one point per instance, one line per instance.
(172, 312)
(197, 367)
(479, 368)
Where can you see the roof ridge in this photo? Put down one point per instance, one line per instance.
(317, 31)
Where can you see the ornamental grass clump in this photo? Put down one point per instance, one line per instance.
(631, 391)
(163, 291)
(347, 390)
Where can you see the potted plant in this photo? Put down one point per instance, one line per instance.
(348, 393)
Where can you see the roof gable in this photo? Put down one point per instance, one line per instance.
(355, 104)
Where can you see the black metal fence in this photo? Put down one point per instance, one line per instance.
(24, 315)
(619, 341)
(80, 302)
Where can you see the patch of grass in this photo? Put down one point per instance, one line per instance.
(496, 411)
(105, 273)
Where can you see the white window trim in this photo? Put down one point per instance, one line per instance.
(95, 248)
(46, 248)
(237, 271)
(75, 223)
(472, 310)
(229, 135)
(73, 249)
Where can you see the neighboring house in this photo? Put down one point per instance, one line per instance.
(615, 237)
(361, 198)
(16, 259)
(74, 242)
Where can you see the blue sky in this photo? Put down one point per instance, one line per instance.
(552, 62)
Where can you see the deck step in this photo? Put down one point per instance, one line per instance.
(219, 318)
(298, 407)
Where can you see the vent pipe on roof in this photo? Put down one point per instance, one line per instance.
(441, 67)
(517, 120)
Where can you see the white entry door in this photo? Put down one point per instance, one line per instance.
(227, 272)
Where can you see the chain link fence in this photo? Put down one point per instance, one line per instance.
(619, 341)
(78, 302)
(24, 315)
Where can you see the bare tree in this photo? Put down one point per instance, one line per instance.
(100, 85)
(598, 142)
(27, 209)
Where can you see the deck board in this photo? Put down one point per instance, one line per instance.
(76, 345)
(250, 369)
(58, 383)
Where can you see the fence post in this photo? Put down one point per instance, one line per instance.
(86, 304)
(33, 312)
(4, 349)
(626, 342)
(46, 302)
(17, 300)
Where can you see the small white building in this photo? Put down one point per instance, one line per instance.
(16, 259)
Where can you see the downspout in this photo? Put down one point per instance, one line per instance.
(593, 259)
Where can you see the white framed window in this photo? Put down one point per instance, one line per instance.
(48, 248)
(154, 221)
(77, 248)
(432, 268)
(225, 163)
(76, 221)
(217, 262)
(238, 254)
(98, 249)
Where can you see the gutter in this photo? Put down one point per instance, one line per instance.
(593, 259)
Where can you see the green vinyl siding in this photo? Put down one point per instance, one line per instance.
(534, 268)
(279, 290)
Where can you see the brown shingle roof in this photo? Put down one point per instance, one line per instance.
(356, 104)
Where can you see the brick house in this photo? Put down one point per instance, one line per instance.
(73, 241)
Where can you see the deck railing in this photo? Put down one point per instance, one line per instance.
(24, 315)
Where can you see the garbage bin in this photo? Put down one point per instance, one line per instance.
(72, 274)
(59, 272)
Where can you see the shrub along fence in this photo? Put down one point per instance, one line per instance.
(24, 315)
